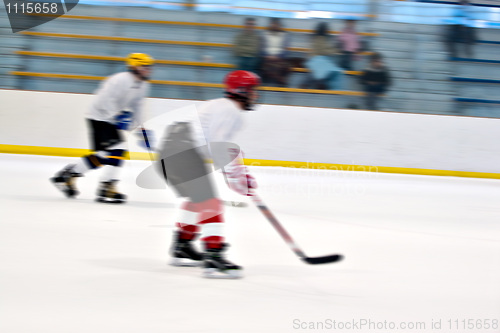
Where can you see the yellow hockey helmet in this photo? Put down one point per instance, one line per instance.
(139, 59)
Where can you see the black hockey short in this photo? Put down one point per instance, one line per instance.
(184, 167)
(103, 135)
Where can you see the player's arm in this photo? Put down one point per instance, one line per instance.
(109, 96)
(237, 175)
(110, 100)
(229, 159)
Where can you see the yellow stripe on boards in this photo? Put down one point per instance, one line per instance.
(47, 151)
(74, 152)
(370, 168)
(64, 152)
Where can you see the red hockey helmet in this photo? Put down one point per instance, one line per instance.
(239, 85)
(238, 82)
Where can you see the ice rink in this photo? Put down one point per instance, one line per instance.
(418, 251)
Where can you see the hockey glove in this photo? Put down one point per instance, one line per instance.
(238, 179)
(123, 120)
(146, 138)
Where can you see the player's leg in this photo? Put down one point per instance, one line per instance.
(215, 264)
(183, 252)
(110, 149)
(65, 178)
(112, 160)
(190, 177)
(203, 216)
(181, 166)
(187, 175)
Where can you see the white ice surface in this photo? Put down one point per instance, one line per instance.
(418, 249)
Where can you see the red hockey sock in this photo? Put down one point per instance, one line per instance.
(211, 223)
(213, 242)
(187, 221)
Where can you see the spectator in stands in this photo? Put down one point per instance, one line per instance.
(349, 44)
(324, 73)
(274, 49)
(246, 47)
(375, 81)
(461, 31)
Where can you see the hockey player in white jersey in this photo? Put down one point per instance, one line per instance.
(185, 149)
(117, 107)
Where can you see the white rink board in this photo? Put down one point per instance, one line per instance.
(285, 133)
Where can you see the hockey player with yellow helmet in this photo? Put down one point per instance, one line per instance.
(117, 107)
(140, 64)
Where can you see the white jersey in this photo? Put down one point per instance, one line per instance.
(218, 120)
(119, 92)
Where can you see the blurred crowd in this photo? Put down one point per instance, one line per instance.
(460, 36)
(329, 58)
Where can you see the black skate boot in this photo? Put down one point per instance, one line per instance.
(183, 253)
(64, 180)
(107, 193)
(215, 266)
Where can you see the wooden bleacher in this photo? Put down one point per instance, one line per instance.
(157, 61)
(194, 24)
(146, 40)
(187, 83)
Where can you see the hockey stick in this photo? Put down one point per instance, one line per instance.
(288, 239)
(150, 150)
(234, 203)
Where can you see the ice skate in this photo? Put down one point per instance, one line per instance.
(215, 266)
(184, 254)
(107, 193)
(64, 180)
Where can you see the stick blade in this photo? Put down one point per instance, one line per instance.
(235, 203)
(323, 260)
